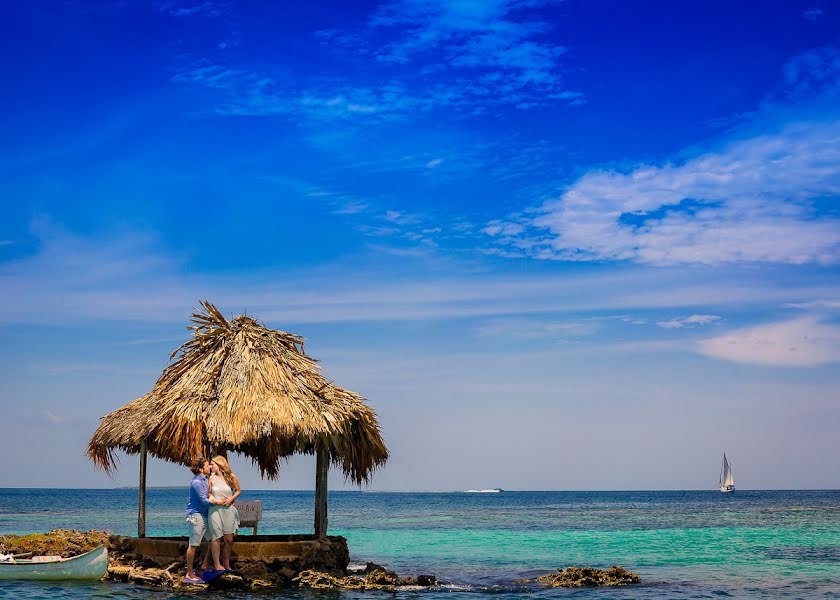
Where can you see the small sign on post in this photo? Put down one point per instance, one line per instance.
(250, 512)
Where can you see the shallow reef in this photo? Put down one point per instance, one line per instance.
(376, 578)
(588, 576)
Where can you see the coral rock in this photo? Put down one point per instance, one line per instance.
(589, 576)
(380, 579)
(324, 581)
(376, 579)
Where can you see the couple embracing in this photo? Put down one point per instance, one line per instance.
(211, 514)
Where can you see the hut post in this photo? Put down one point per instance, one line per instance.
(141, 500)
(322, 467)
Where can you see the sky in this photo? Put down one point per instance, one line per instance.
(557, 245)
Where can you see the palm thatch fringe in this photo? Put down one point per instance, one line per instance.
(238, 386)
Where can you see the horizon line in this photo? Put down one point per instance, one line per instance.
(458, 491)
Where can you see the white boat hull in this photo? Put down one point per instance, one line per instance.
(90, 566)
(727, 489)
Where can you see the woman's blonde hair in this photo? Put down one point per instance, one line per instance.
(224, 469)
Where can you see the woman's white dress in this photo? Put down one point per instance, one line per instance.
(221, 520)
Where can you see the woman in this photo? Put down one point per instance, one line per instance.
(223, 518)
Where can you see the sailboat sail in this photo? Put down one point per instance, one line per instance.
(727, 483)
(727, 473)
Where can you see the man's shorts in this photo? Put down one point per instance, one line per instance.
(198, 525)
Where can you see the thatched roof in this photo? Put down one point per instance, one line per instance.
(239, 386)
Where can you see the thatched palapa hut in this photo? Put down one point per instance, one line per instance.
(238, 386)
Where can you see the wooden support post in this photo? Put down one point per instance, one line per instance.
(141, 500)
(322, 467)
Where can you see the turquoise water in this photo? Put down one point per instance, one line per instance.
(769, 544)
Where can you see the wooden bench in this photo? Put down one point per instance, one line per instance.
(250, 512)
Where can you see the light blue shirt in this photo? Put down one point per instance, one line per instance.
(199, 503)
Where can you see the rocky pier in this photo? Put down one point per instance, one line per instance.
(302, 561)
(260, 561)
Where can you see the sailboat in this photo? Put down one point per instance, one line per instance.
(726, 483)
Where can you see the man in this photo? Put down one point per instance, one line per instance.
(197, 516)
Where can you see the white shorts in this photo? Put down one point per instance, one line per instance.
(198, 525)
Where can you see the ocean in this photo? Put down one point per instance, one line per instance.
(683, 544)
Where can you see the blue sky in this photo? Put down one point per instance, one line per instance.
(557, 245)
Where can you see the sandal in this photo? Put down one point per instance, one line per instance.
(211, 574)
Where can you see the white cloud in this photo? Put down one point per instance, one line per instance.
(812, 14)
(810, 73)
(470, 33)
(206, 73)
(536, 329)
(353, 207)
(253, 93)
(75, 277)
(802, 342)
(130, 277)
(747, 202)
(208, 9)
(758, 195)
(495, 43)
(502, 228)
(51, 417)
(481, 53)
(824, 304)
(246, 92)
(689, 321)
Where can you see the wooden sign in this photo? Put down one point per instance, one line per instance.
(250, 512)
